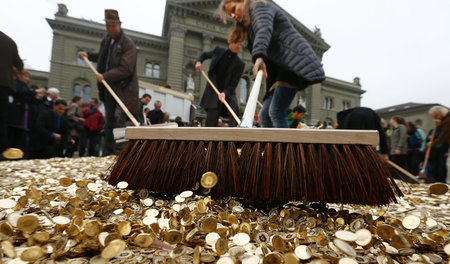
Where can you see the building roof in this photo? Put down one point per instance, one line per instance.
(404, 107)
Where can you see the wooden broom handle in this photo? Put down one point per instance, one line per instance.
(110, 90)
(405, 172)
(427, 156)
(224, 101)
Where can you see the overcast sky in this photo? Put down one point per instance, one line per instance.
(399, 48)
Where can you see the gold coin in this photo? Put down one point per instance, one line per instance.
(113, 249)
(111, 237)
(73, 230)
(124, 228)
(27, 223)
(201, 206)
(32, 254)
(41, 237)
(207, 258)
(303, 252)
(272, 258)
(278, 243)
(438, 189)
(208, 180)
(221, 246)
(13, 153)
(209, 225)
(173, 237)
(291, 258)
(143, 240)
(8, 249)
(385, 232)
(92, 228)
(65, 182)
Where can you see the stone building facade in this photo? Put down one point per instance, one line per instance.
(190, 27)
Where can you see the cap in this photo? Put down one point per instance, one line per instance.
(111, 15)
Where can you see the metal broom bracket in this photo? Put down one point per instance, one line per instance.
(250, 109)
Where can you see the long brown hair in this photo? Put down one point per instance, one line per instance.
(238, 32)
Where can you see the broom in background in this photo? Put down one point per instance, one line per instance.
(335, 166)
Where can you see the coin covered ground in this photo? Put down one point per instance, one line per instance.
(63, 211)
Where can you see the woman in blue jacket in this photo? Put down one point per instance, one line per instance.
(286, 58)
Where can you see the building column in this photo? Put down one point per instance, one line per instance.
(176, 58)
(207, 41)
(315, 104)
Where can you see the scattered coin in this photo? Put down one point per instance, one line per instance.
(411, 222)
(122, 185)
(346, 236)
(208, 180)
(438, 188)
(61, 220)
(7, 203)
(114, 248)
(241, 239)
(303, 252)
(13, 153)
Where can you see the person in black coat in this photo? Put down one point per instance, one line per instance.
(19, 111)
(9, 58)
(364, 118)
(277, 48)
(52, 132)
(225, 72)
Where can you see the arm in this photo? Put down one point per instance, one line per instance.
(127, 64)
(444, 135)
(262, 25)
(206, 55)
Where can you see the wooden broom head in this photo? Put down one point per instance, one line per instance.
(336, 166)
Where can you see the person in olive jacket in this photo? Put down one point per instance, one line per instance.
(277, 48)
(225, 72)
(399, 141)
(9, 58)
(116, 64)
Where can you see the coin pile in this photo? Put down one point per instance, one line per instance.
(62, 211)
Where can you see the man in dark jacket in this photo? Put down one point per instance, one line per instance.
(9, 58)
(225, 72)
(365, 119)
(93, 124)
(156, 116)
(52, 132)
(116, 64)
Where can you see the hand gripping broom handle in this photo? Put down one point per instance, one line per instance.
(250, 109)
(429, 149)
(224, 101)
(110, 90)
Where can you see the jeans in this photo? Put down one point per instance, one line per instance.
(275, 107)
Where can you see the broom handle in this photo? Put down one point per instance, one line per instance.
(250, 109)
(427, 156)
(110, 90)
(224, 101)
(405, 172)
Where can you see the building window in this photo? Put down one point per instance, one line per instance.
(149, 69)
(80, 61)
(243, 91)
(86, 94)
(77, 90)
(156, 71)
(328, 103)
(345, 105)
(152, 70)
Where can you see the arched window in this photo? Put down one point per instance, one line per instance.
(156, 71)
(149, 69)
(77, 90)
(243, 90)
(86, 94)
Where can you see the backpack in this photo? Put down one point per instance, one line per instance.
(414, 141)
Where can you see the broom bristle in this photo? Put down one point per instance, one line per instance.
(261, 171)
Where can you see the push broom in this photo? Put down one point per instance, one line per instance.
(334, 166)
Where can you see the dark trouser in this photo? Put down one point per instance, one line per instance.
(400, 160)
(414, 161)
(54, 149)
(114, 117)
(17, 138)
(93, 137)
(4, 93)
(71, 148)
(212, 115)
(437, 166)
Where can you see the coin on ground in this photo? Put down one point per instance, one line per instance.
(61, 220)
(438, 188)
(241, 239)
(347, 261)
(113, 249)
(303, 252)
(32, 254)
(143, 240)
(173, 237)
(27, 223)
(122, 185)
(346, 236)
(364, 237)
(411, 222)
(7, 203)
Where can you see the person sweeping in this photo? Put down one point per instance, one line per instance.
(286, 58)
